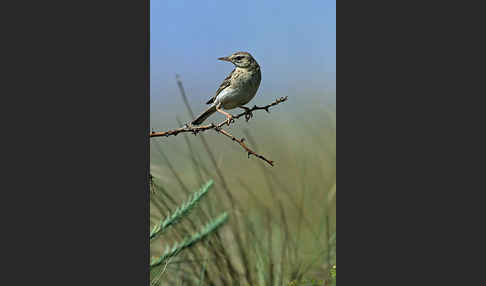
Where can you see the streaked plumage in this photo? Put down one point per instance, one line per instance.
(237, 89)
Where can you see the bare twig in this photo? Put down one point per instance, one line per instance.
(247, 114)
(196, 129)
(242, 144)
(266, 108)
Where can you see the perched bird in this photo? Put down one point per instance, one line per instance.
(237, 89)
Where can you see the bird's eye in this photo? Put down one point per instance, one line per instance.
(239, 58)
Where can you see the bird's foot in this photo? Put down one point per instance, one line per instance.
(248, 113)
(229, 119)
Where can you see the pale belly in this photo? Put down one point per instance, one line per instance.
(231, 98)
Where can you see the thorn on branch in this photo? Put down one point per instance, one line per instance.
(218, 128)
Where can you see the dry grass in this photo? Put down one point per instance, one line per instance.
(282, 221)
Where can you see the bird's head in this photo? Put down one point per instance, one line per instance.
(241, 60)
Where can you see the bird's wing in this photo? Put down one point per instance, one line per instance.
(225, 84)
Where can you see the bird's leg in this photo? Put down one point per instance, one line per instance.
(229, 117)
(248, 113)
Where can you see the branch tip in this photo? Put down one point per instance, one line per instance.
(218, 128)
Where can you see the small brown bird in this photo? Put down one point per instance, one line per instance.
(237, 89)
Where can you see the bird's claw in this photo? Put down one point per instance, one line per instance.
(248, 113)
(229, 120)
(248, 116)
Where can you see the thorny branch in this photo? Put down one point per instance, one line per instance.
(218, 128)
(240, 141)
(197, 129)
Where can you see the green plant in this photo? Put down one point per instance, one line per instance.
(172, 219)
(283, 222)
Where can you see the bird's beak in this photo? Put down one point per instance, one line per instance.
(226, 59)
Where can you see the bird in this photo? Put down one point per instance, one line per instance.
(237, 89)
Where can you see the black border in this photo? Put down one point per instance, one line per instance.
(76, 160)
(410, 143)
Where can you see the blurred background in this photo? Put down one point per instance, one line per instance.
(293, 41)
(291, 205)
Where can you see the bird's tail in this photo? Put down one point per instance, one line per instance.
(200, 119)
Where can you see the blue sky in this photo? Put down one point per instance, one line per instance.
(294, 42)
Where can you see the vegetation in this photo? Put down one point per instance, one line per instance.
(280, 228)
(175, 217)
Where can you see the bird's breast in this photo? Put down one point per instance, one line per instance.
(242, 89)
